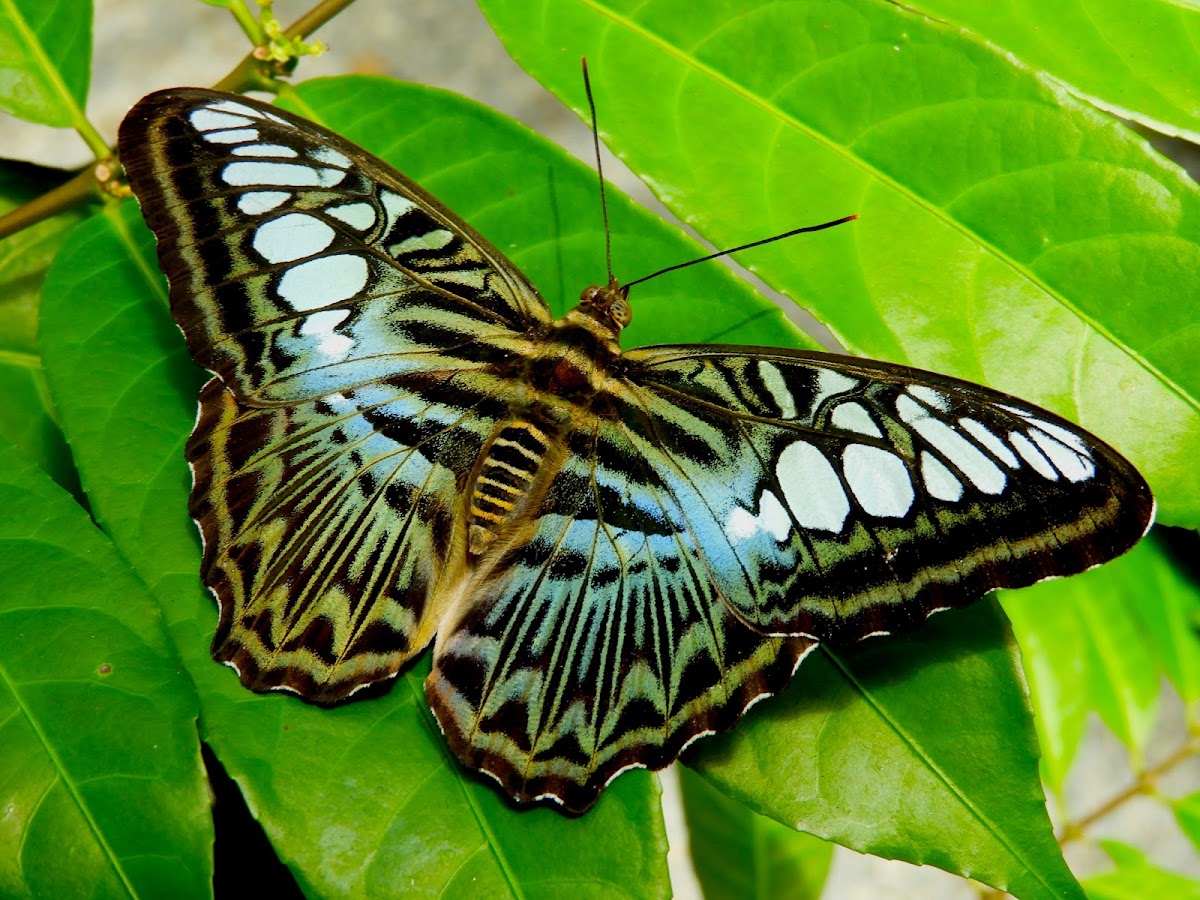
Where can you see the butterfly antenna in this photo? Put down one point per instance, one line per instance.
(778, 237)
(587, 86)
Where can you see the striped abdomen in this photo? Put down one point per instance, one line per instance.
(505, 481)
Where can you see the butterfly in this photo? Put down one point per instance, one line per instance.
(614, 552)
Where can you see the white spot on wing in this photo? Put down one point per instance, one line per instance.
(323, 281)
(395, 206)
(238, 109)
(965, 456)
(246, 174)
(1059, 433)
(879, 480)
(1075, 466)
(360, 216)
(811, 487)
(320, 325)
(208, 119)
(291, 237)
(990, 441)
(929, 396)
(232, 136)
(830, 382)
(772, 518)
(257, 202)
(331, 157)
(772, 379)
(1033, 456)
(277, 150)
(430, 240)
(939, 481)
(854, 417)
(1072, 440)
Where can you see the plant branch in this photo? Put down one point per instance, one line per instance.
(1145, 784)
(249, 74)
(83, 188)
(94, 181)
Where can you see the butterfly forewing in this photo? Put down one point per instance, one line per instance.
(618, 552)
(349, 319)
(839, 498)
(299, 264)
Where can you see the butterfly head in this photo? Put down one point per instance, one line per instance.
(608, 305)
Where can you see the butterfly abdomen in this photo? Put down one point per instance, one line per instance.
(505, 481)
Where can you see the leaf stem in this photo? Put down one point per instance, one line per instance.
(252, 73)
(245, 18)
(1145, 784)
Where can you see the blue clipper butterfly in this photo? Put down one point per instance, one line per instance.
(617, 552)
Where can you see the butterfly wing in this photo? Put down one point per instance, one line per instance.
(846, 497)
(350, 320)
(726, 498)
(603, 643)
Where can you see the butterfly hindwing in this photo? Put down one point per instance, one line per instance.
(604, 643)
(323, 524)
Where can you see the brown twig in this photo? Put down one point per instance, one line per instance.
(83, 188)
(94, 181)
(1073, 831)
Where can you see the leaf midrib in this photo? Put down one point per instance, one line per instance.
(919, 753)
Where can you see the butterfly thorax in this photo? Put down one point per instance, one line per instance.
(566, 372)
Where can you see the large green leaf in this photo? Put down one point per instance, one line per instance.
(45, 59)
(26, 415)
(1135, 57)
(364, 798)
(917, 748)
(1009, 233)
(739, 854)
(101, 782)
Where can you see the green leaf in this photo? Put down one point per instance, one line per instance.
(1134, 57)
(27, 417)
(917, 748)
(1009, 233)
(1187, 814)
(45, 59)
(1135, 878)
(101, 782)
(365, 798)
(738, 854)
(1056, 660)
(1169, 609)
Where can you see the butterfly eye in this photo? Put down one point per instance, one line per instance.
(590, 294)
